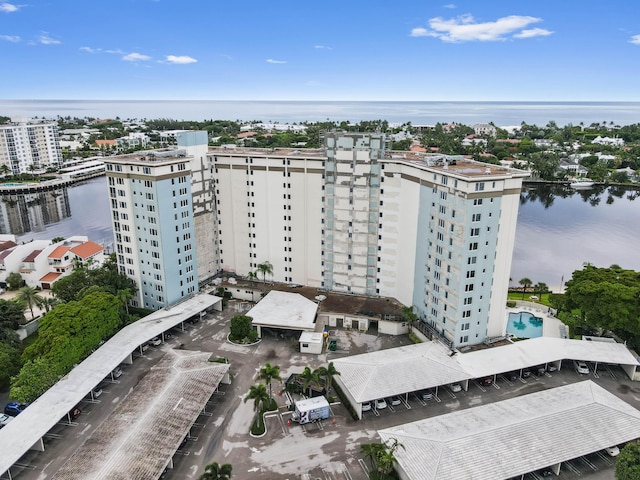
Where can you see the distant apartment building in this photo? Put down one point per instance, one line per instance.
(27, 147)
(432, 231)
(152, 217)
(484, 129)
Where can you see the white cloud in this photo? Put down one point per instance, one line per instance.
(449, 5)
(271, 60)
(635, 40)
(533, 32)
(9, 7)
(45, 39)
(117, 52)
(10, 38)
(465, 29)
(136, 57)
(322, 47)
(180, 59)
(90, 50)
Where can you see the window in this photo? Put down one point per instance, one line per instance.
(479, 186)
(468, 287)
(475, 232)
(477, 201)
(473, 246)
(468, 300)
(466, 314)
(475, 217)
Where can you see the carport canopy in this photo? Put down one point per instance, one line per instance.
(513, 437)
(28, 428)
(141, 435)
(284, 310)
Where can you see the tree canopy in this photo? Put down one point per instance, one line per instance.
(628, 462)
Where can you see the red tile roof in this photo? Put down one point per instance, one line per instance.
(106, 142)
(32, 256)
(50, 277)
(87, 249)
(59, 252)
(5, 245)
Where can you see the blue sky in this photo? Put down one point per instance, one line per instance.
(553, 50)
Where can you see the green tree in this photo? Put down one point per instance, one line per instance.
(268, 373)
(526, 283)
(11, 314)
(409, 316)
(265, 268)
(10, 364)
(29, 297)
(252, 276)
(47, 303)
(386, 456)
(214, 471)
(258, 393)
(35, 377)
(628, 462)
(328, 373)
(14, 281)
(371, 451)
(308, 378)
(540, 288)
(240, 327)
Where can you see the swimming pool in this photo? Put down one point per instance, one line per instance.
(524, 325)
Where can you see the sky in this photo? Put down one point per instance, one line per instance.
(402, 50)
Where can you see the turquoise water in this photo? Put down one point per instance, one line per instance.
(524, 325)
(13, 184)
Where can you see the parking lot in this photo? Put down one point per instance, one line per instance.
(330, 449)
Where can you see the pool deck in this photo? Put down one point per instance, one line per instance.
(551, 326)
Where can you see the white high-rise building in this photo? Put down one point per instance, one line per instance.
(152, 215)
(26, 147)
(433, 231)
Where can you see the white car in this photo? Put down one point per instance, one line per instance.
(582, 368)
(455, 387)
(366, 406)
(97, 391)
(395, 401)
(117, 372)
(4, 419)
(612, 451)
(426, 395)
(380, 404)
(155, 341)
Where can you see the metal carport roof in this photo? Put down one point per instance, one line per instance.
(509, 438)
(140, 436)
(42, 415)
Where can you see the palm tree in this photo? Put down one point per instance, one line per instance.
(28, 296)
(257, 393)
(252, 276)
(213, 471)
(123, 296)
(4, 170)
(409, 316)
(265, 268)
(540, 288)
(525, 282)
(268, 373)
(308, 377)
(372, 450)
(47, 303)
(386, 456)
(328, 373)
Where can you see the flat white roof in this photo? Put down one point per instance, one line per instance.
(426, 365)
(398, 370)
(41, 416)
(284, 310)
(140, 436)
(510, 438)
(311, 337)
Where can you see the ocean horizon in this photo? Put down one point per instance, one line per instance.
(501, 113)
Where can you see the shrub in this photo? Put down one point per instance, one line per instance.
(414, 339)
(240, 327)
(511, 304)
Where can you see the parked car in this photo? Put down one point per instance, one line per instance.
(96, 392)
(380, 404)
(395, 401)
(512, 376)
(426, 395)
(551, 368)
(526, 373)
(144, 347)
(486, 381)
(155, 341)
(581, 368)
(117, 372)
(5, 419)
(14, 408)
(366, 406)
(455, 387)
(541, 370)
(612, 451)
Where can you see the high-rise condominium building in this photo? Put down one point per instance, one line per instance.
(26, 147)
(433, 231)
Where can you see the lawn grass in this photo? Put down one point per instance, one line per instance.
(544, 298)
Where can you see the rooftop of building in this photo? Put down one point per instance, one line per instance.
(268, 152)
(150, 157)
